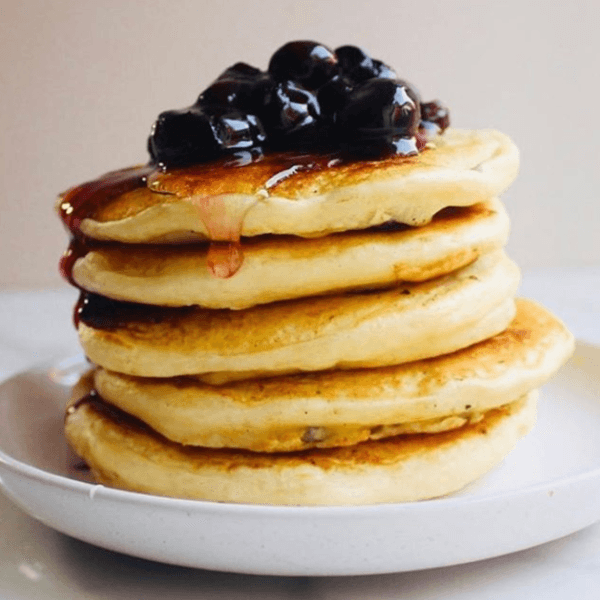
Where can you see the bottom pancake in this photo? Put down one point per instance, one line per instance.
(124, 453)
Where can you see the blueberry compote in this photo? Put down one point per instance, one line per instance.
(311, 98)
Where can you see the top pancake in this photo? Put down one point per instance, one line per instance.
(309, 196)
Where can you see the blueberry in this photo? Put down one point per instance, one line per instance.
(240, 86)
(383, 71)
(293, 118)
(182, 137)
(435, 112)
(240, 69)
(332, 96)
(380, 117)
(193, 135)
(307, 63)
(234, 130)
(358, 66)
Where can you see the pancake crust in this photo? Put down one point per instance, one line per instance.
(283, 267)
(397, 469)
(335, 408)
(465, 168)
(311, 334)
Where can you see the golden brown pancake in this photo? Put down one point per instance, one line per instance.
(403, 468)
(335, 408)
(351, 330)
(283, 267)
(276, 196)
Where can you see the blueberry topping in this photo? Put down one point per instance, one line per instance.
(358, 66)
(234, 130)
(381, 117)
(308, 63)
(182, 137)
(332, 96)
(192, 135)
(294, 117)
(241, 86)
(310, 99)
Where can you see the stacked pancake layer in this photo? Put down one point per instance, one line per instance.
(344, 362)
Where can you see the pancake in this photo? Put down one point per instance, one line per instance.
(308, 196)
(124, 454)
(334, 408)
(283, 267)
(351, 330)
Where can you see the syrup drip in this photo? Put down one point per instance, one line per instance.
(224, 259)
(78, 248)
(223, 222)
(78, 308)
(100, 312)
(83, 201)
(92, 397)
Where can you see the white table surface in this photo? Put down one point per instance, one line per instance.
(39, 563)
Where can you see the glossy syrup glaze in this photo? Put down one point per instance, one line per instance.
(201, 185)
(84, 201)
(100, 312)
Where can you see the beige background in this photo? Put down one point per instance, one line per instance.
(82, 81)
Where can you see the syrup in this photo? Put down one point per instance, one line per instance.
(223, 222)
(100, 312)
(84, 201)
(224, 259)
(78, 248)
(204, 186)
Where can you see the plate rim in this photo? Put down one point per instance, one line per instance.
(276, 540)
(21, 468)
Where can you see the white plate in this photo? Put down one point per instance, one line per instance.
(547, 488)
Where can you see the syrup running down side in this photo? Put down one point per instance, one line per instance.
(83, 201)
(223, 221)
(100, 312)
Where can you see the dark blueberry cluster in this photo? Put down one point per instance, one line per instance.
(312, 99)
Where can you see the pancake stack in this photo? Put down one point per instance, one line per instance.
(365, 345)
(303, 298)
